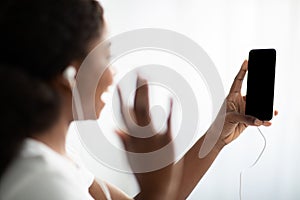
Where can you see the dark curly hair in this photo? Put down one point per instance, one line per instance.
(38, 40)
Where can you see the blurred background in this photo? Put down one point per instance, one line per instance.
(227, 31)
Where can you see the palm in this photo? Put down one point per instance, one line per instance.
(235, 103)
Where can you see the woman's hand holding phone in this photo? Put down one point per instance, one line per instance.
(235, 120)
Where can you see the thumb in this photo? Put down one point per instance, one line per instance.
(235, 117)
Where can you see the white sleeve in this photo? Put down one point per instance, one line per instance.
(87, 176)
(48, 186)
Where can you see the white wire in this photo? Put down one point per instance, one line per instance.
(78, 104)
(257, 159)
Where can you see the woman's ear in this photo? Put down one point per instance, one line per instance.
(69, 74)
(67, 79)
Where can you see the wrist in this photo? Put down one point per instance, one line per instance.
(215, 138)
(219, 145)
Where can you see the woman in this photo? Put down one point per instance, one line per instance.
(39, 41)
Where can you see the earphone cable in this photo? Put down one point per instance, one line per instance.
(256, 161)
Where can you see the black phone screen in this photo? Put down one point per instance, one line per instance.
(260, 83)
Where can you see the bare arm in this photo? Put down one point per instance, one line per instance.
(195, 168)
(235, 123)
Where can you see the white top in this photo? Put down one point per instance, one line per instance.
(41, 173)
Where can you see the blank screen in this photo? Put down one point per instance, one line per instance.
(260, 83)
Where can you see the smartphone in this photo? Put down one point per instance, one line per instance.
(260, 83)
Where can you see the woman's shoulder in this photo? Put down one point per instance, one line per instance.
(39, 173)
(32, 178)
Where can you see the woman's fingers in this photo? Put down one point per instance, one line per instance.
(169, 131)
(141, 111)
(267, 123)
(126, 113)
(121, 104)
(244, 98)
(235, 117)
(238, 81)
(141, 102)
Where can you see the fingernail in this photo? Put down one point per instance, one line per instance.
(257, 122)
(267, 123)
(171, 105)
(140, 81)
(113, 71)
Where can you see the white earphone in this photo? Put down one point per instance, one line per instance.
(69, 74)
